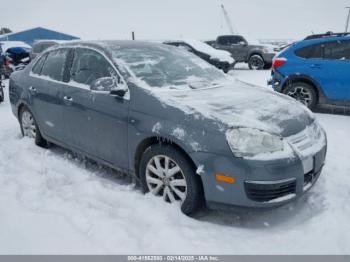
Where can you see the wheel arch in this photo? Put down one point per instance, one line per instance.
(147, 142)
(308, 80)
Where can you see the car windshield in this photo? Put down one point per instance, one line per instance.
(165, 66)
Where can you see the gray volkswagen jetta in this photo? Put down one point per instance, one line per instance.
(189, 133)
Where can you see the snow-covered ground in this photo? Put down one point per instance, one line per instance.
(52, 202)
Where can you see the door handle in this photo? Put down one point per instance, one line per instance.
(32, 89)
(68, 99)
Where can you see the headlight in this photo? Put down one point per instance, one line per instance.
(268, 50)
(248, 142)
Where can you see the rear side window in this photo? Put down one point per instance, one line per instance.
(39, 65)
(55, 64)
(338, 50)
(89, 65)
(311, 52)
(230, 40)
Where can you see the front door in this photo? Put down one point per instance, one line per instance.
(97, 121)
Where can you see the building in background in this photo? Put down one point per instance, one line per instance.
(39, 33)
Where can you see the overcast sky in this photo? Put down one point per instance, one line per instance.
(165, 19)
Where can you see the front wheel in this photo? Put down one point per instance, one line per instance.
(256, 62)
(302, 92)
(167, 173)
(29, 127)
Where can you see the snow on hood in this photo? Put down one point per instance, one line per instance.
(220, 55)
(237, 104)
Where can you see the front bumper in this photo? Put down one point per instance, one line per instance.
(268, 57)
(258, 183)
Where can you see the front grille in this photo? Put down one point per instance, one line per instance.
(268, 191)
(301, 141)
(308, 141)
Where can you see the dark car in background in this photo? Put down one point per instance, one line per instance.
(315, 71)
(189, 133)
(257, 56)
(13, 54)
(220, 59)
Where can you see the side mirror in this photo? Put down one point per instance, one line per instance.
(118, 92)
(108, 85)
(243, 43)
(104, 84)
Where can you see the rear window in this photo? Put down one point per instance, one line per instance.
(311, 52)
(55, 64)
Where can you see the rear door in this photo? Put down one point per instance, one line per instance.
(97, 121)
(329, 64)
(336, 70)
(46, 88)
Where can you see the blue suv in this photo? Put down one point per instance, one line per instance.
(315, 71)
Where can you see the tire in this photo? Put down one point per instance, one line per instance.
(256, 62)
(190, 196)
(30, 128)
(303, 92)
(2, 96)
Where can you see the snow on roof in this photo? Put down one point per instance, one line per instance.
(220, 55)
(5, 45)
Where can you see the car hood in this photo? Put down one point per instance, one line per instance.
(238, 104)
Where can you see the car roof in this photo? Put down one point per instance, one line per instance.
(309, 42)
(107, 43)
(104, 45)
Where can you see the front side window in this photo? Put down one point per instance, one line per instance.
(88, 66)
(39, 65)
(54, 66)
(338, 50)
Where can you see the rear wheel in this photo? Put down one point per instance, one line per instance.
(29, 128)
(167, 173)
(302, 92)
(256, 62)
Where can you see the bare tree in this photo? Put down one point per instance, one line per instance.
(5, 30)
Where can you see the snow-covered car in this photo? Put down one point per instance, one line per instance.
(219, 58)
(189, 133)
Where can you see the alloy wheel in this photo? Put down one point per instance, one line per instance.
(28, 125)
(165, 178)
(256, 63)
(301, 94)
